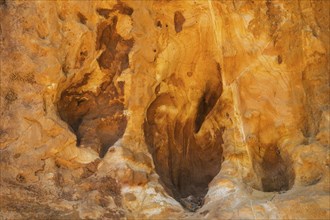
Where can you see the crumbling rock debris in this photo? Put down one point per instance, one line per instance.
(192, 203)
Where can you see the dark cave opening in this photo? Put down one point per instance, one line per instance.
(274, 170)
(277, 174)
(97, 117)
(185, 159)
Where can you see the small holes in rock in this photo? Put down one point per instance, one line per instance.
(17, 155)
(179, 19)
(20, 178)
(11, 96)
(82, 18)
(159, 24)
(279, 59)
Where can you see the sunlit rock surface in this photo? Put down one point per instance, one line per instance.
(158, 109)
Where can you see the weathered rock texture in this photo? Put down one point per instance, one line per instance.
(157, 109)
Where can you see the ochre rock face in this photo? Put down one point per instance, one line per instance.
(155, 109)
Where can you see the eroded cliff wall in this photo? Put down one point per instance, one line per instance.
(151, 109)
